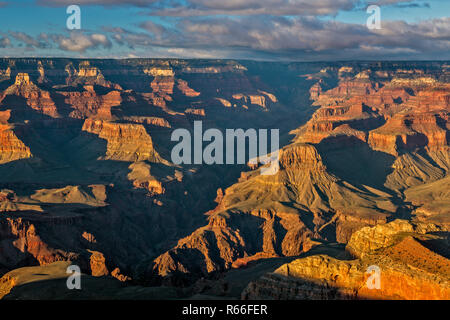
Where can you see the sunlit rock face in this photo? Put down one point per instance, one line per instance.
(11, 147)
(406, 269)
(125, 142)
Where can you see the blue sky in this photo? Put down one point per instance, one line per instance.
(238, 29)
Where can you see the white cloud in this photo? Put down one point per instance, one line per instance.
(80, 42)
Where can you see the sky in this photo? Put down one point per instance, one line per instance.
(275, 30)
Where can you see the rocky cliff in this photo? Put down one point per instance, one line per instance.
(125, 142)
(405, 267)
(36, 98)
(11, 147)
(90, 104)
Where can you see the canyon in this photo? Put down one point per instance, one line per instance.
(86, 178)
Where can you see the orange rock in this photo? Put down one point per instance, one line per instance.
(89, 104)
(406, 270)
(186, 90)
(36, 98)
(98, 264)
(125, 142)
(11, 147)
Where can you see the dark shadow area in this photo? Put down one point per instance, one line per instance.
(441, 245)
(354, 161)
(20, 110)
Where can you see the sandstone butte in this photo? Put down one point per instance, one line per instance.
(125, 142)
(85, 176)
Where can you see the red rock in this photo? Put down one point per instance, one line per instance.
(186, 90)
(36, 98)
(89, 104)
(11, 147)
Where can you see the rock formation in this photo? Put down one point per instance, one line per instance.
(125, 142)
(35, 97)
(11, 147)
(90, 104)
(406, 270)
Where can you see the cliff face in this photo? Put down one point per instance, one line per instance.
(87, 123)
(23, 246)
(183, 86)
(125, 142)
(90, 104)
(407, 270)
(409, 133)
(11, 147)
(163, 85)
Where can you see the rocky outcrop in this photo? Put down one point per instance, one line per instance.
(154, 121)
(371, 239)
(142, 179)
(163, 85)
(35, 97)
(22, 245)
(87, 75)
(261, 100)
(197, 112)
(392, 266)
(5, 73)
(90, 104)
(186, 90)
(88, 71)
(41, 71)
(97, 263)
(159, 72)
(11, 147)
(224, 102)
(125, 142)
(409, 132)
